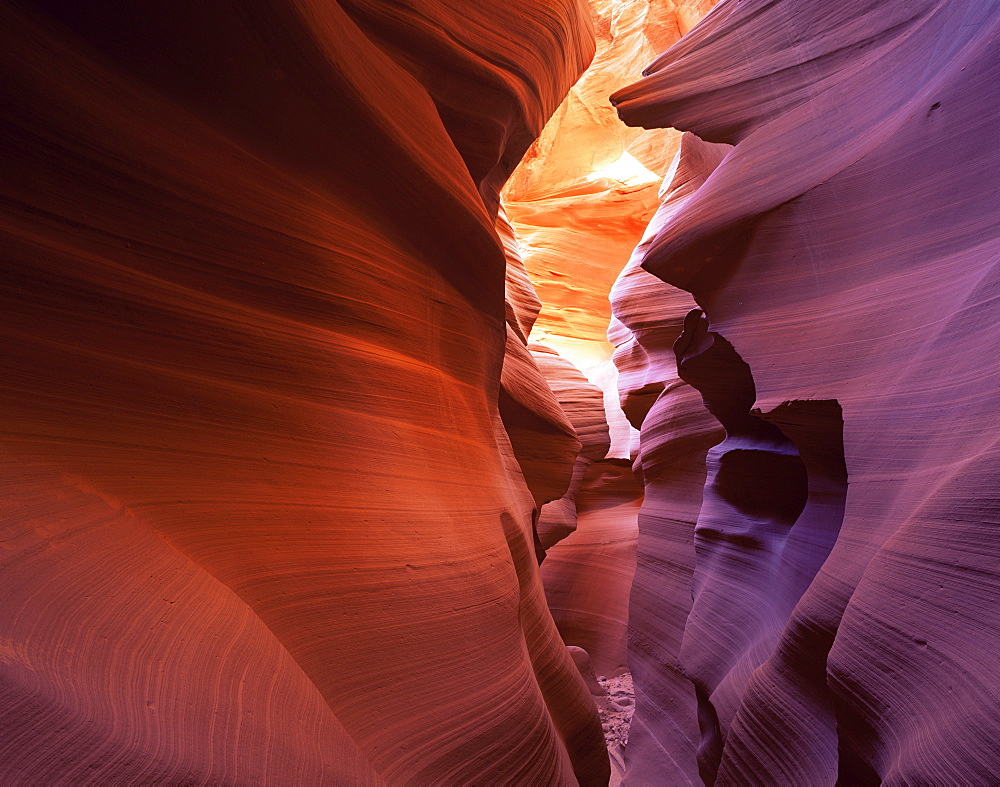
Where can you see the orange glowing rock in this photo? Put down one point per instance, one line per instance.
(586, 189)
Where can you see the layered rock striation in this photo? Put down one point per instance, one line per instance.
(259, 492)
(542, 438)
(843, 255)
(279, 456)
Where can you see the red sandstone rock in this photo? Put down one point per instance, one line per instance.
(496, 73)
(578, 214)
(583, 663)
(120, 656)
(845, 255)
(583, 405)
(521, 300)
(588, 574)
(542, 438)
(253, 326)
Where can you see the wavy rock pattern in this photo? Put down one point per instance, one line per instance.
(253, 324)
(583, 405)
(676, 433)
(845, 254)
(492, 72)
(542, 437)
(588, 575)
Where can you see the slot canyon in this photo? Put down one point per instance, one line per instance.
(540, 392)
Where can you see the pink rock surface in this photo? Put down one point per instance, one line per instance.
(588, 574)
(845, 255)
(676, 433)
(252, 310)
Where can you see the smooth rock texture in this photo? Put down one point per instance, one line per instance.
(492, 72)
(588, 575)
(170, 675)
(589, 534)
(252, 309)
(676, 434)
(542, 437)
(843, 627)
(583, 406)
(577, 213)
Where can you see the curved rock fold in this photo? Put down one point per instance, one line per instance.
(846, 250)
(253, 317)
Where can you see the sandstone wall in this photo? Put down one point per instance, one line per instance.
(264, 524)
(844, 259)
(585, 190)
(676, 432)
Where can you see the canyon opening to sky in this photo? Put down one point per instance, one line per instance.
(548, 392)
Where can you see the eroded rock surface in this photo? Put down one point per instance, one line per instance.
(676, 434)
(583, 405)
(253, 322)
(589, 534)
(845, 256)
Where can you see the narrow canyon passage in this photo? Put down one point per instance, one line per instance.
(400, 392)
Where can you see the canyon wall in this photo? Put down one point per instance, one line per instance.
(824, 578)
(280, 459)
(264, 523)
(676, 432)
(543, 441)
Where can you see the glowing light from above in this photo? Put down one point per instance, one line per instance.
(627, 170)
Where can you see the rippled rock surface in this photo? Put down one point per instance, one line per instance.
(253, 318)
(843, 257)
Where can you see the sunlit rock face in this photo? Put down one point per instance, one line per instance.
(586, 189)
(844, 253)
(578, 203)
(583, 405)
(543, 440)
(258, 494)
